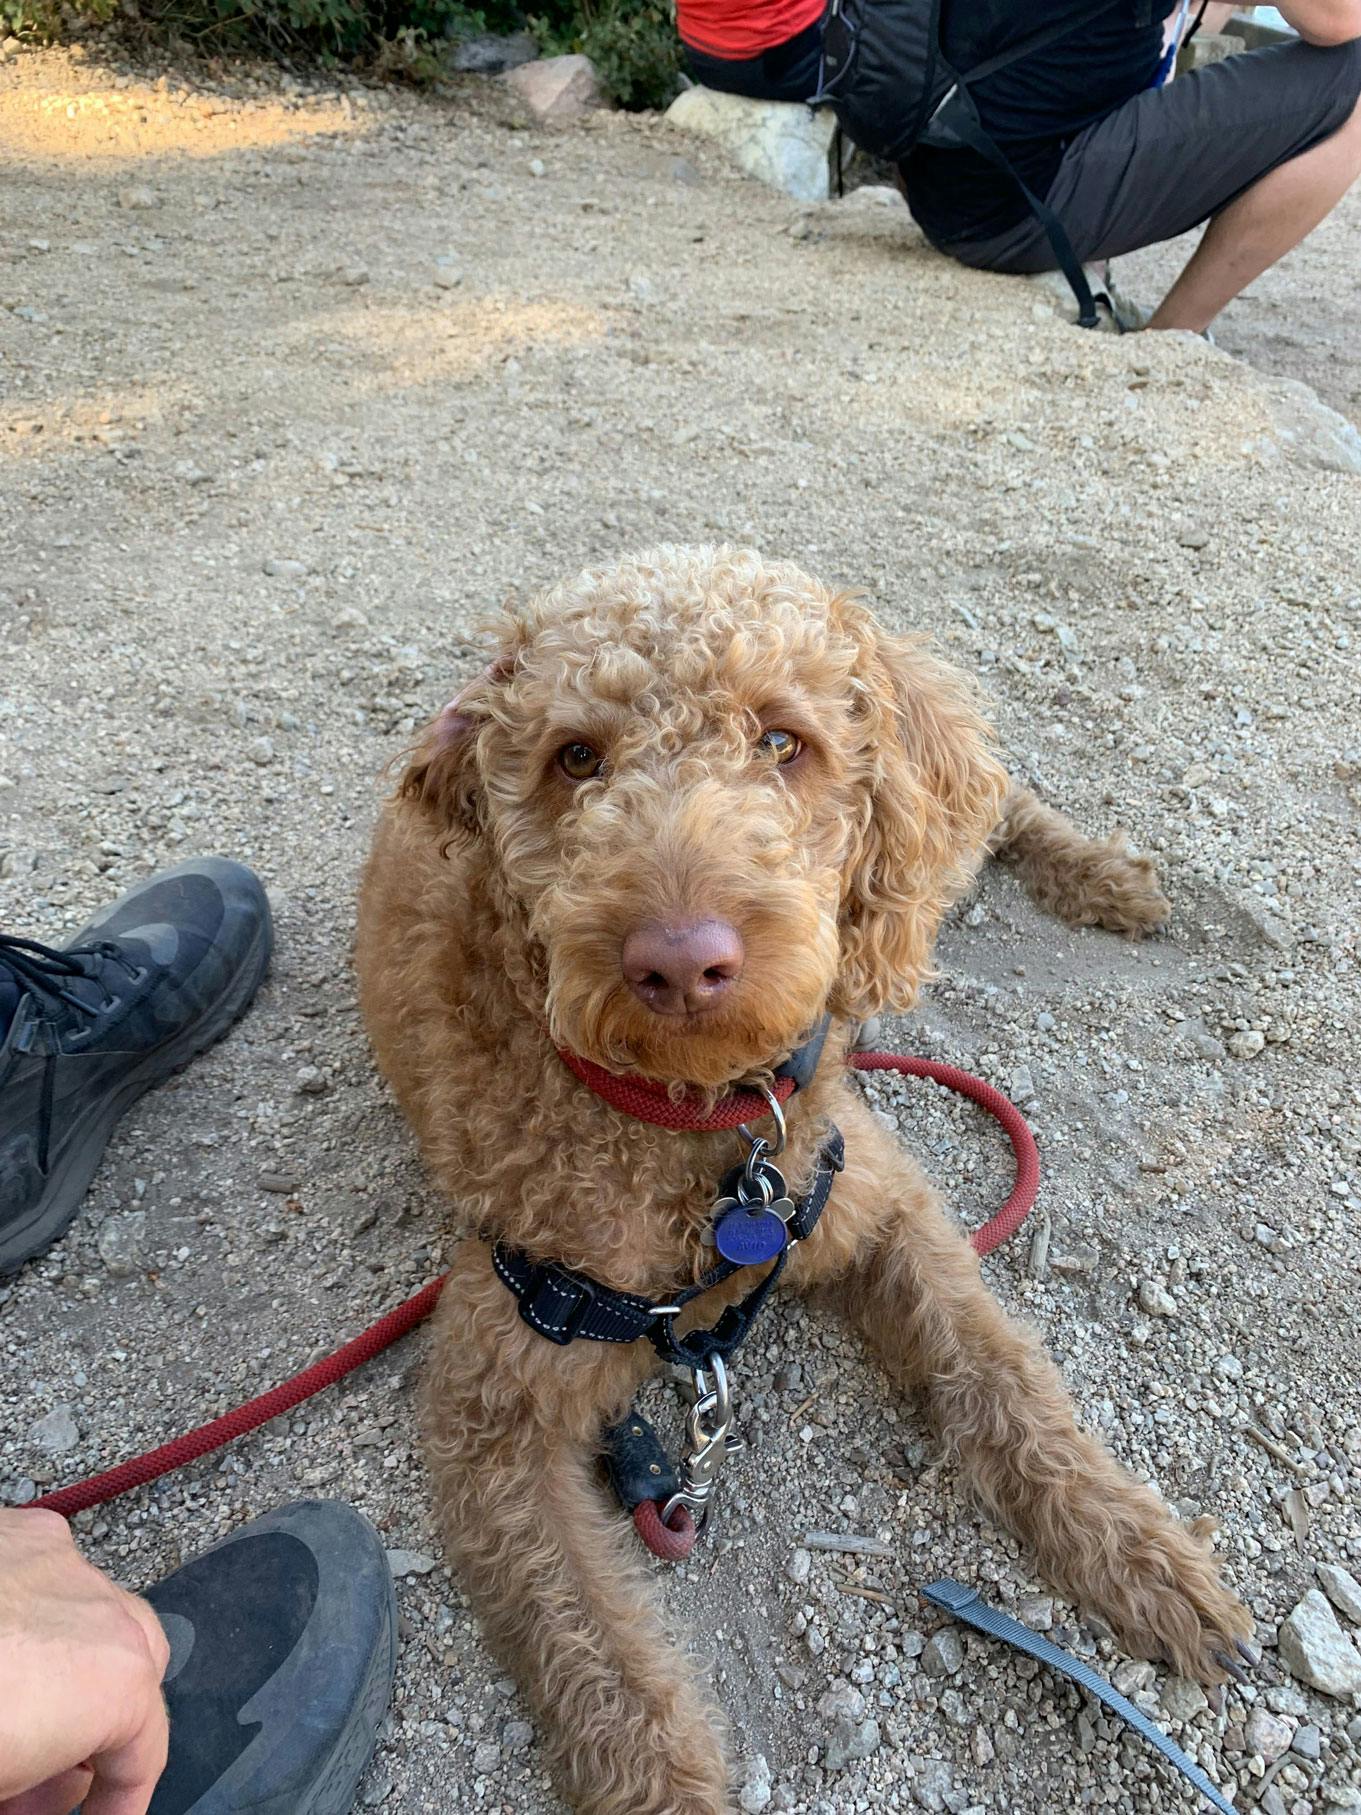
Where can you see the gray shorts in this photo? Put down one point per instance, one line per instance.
(1173, 157)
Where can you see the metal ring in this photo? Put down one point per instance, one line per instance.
(773, 1104)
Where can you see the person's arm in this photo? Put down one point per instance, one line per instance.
(1323, 21)
(81, 1662)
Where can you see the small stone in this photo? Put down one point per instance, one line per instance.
(943, 1654)
(120, 1243)
(138, 197)
(1267, 1735)
(1247, 1044)
(446, 277)
(19, 1493)
(57, 1432)
(1182, 1698)
(842, 1699)
(516, 1735)
(1155, 1299)
(1134, 1675)
(311, 1081)
(1314, 1648)
(1036, 1611)
(1308, 1742)
(557, 89)
(377, 1789)
(282, 1183)
(1044, 1022)
(849, 1741)
(285, 568)
(1342, 1589)
(486, 1757)
(410, 1563)
(537, 167)
(355, 276)
(754, 1786)
(1287, 1698)
(261, 751)
(933, 1784)
(800, 1562)
(1022, 1085)
(1207, 1047)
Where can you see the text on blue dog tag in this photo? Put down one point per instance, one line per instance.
(747, 1237)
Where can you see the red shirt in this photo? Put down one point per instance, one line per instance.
(736, 29)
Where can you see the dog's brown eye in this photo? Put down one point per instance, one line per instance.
(782, 745)
(579, 762)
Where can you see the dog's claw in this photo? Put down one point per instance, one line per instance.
(1216, 1698)
(1257, 1659)
(1235, 1670)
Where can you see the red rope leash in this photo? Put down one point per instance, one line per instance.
(139, 1470)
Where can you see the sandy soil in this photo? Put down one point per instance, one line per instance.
(265, 459)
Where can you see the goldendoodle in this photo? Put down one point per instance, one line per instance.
(695, 803)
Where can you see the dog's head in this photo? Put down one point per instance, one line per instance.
(722, 801)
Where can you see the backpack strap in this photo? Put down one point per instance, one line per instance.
(959, 115)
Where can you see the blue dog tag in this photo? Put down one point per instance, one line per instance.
(747, 1237)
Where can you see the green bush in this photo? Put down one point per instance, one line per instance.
(632, 43)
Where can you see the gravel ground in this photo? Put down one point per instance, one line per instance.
(293, 385)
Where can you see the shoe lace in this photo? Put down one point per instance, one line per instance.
(39, 970)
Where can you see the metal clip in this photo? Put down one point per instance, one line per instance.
(710, 1440)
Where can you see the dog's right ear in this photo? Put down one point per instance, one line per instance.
(442, 776)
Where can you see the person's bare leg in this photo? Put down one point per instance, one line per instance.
(1261, 227)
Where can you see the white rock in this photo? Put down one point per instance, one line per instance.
(280, 568)
(800, 1562)
(558, 89)
(57, 1432)
(1315, 1649)
(782, 143)
(1248, 1044)
(1268, 1735)
(1182, 1698)
(1309, 432)
(409, 1563)
(120, 1243)
(1342, 1589)
(1156, 1299)
(755, 1787)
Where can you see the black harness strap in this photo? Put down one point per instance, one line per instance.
(563, 1305)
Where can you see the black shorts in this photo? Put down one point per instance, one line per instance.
(1174, 157)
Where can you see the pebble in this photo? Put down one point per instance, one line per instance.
(57, 1432)
(1268, 1735)
(799, 1563)
(849, 1741)
(410, 1563)
(138, 197)
(446, 276)
(754, 1787)
(933, 1784)
(1308, 1742)
(311, 1081)
(1155, 1299)
(282, 1183)
(1248, 1044)
(1314, 1648)
(516, 1735)
(1342, 1589)
(1036, 1611)
(943, 1654)
(120, 1241)
(261, 751)
(1182, 1698)
(537, 167)
(285, 567)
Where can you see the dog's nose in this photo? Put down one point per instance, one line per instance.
(682, 969)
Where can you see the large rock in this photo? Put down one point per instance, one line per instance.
(1305, 429)
(1342, 1589)
(557, 90)
(782, 143)
(1315, 1649)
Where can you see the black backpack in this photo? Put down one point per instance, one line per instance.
(886, 77)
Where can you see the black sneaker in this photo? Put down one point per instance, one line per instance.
(153, 980)
(283, 1644)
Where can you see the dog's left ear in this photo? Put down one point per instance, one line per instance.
(442, 775)
(932, 793)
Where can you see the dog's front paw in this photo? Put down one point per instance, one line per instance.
(1167, 1600)
(1121, 891)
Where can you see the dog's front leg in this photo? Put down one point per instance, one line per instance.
(513, 1426)
(913, 1285)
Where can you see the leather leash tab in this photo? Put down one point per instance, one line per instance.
(965, 1604)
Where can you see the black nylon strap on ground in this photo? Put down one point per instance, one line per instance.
(563, 1305)
(965, 1605)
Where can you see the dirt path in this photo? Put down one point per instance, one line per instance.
(265, 459)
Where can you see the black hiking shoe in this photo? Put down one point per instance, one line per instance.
(283, 1643)
(151, 981)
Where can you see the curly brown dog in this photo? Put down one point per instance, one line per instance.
(695, 802)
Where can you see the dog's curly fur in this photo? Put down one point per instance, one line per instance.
(493, 912)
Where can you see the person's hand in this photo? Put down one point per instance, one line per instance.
(81, 1662)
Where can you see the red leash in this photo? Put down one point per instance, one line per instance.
(740, 1106)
